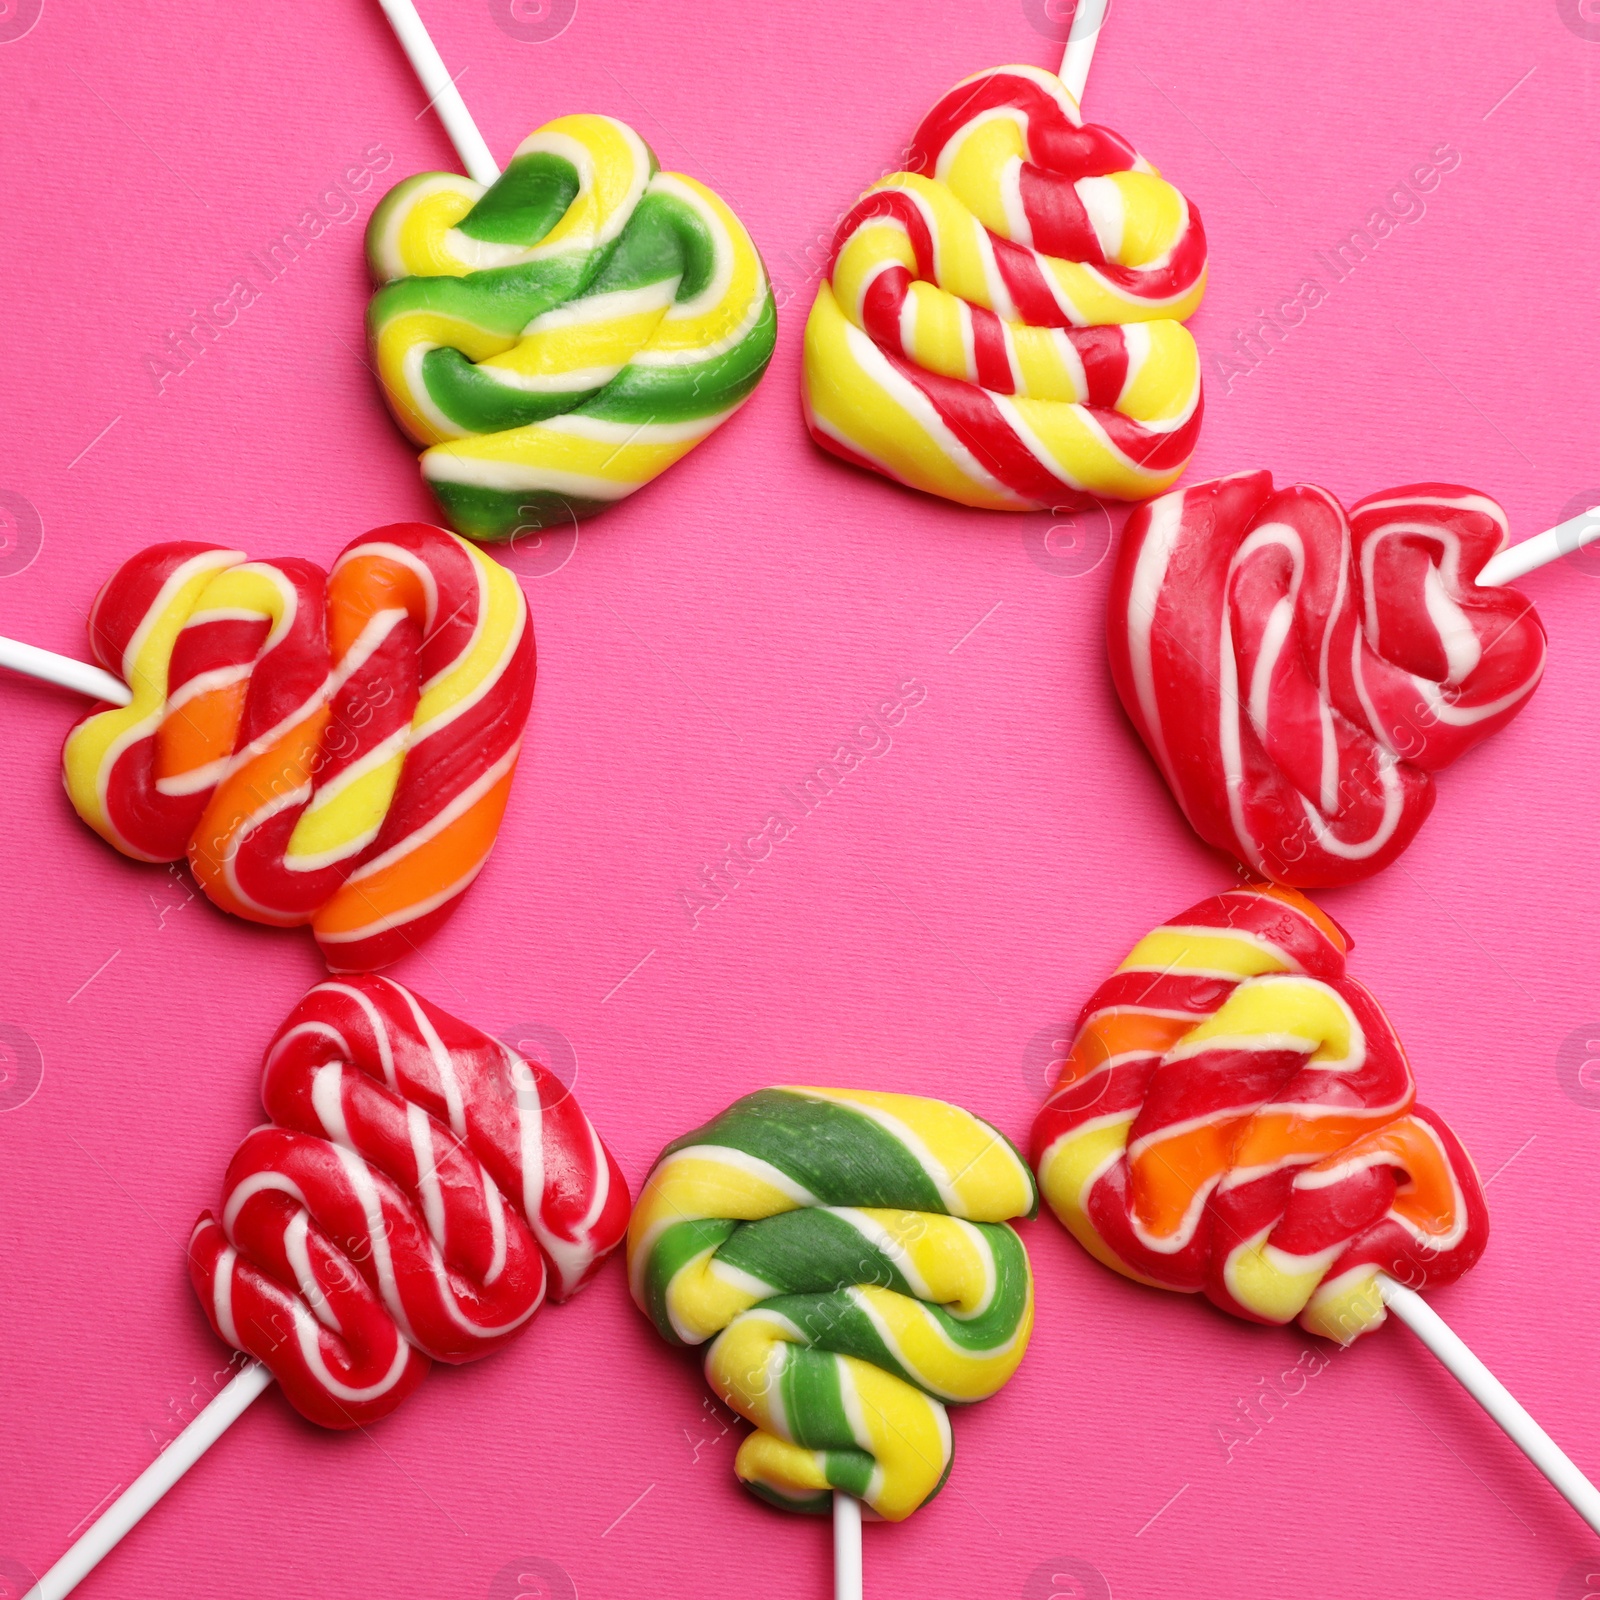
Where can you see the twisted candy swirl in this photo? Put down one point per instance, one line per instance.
(1237, 1118)
(1298, 675)
(1003, 324)
(326, 748)
(565, 335)
(847, 1253)
(417, 1189)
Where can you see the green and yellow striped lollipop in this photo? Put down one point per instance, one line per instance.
(847, 1255)
(559, 338)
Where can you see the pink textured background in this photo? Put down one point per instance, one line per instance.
(928, 929)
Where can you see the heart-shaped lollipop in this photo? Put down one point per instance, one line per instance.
(1300, 674)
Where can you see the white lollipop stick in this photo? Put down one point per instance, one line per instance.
(1494, 1397)
(1081, 40)
(1548, 546)
(846, 1547)
(442, 93)
(64, 671)
(123, 1512)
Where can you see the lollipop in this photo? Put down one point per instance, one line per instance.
(847, 1255)
(333, 749)
(1002, 324)
(1299, 675)
(417, 1193)
(1237, 1118)
(558, 335)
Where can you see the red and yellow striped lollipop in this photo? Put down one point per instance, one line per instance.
(1002, 324)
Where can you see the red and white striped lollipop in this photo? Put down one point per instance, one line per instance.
(1299, 674)
(419, 1190)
